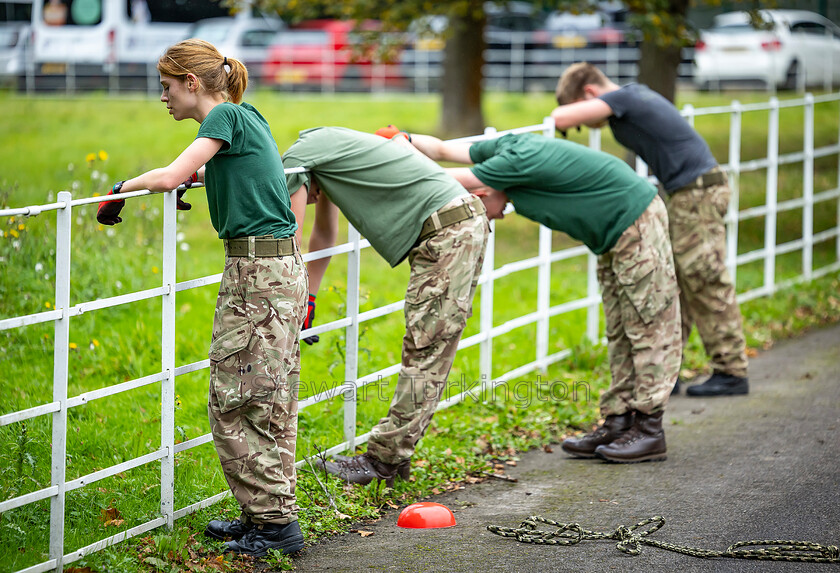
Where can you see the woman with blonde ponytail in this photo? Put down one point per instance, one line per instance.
(254, 352)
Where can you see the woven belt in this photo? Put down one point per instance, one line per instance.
(446, 217)
(266, 246)
(714, 177)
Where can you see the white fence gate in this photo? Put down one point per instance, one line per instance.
(165, 454)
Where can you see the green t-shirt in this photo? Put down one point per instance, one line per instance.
(386, 190)
(246, 187)
(590, 195)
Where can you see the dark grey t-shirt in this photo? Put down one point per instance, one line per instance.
(647, 123)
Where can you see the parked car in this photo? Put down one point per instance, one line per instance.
(14, 40)
(607, 26)
(513, 23)
(332, 54)
(788, 49)
(244, 37)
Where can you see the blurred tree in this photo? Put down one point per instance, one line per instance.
(662, 23)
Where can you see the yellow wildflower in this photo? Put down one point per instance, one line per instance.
(21, 227)
(94, 342)
(14, 233)
(90, 157)
(73, 346)
(103, 155)
(47, 304)
(155, 270)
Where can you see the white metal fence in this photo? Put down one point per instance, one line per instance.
(165, 455)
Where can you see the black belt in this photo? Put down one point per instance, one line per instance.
(714, 177)
(446, 217)
(265, 246)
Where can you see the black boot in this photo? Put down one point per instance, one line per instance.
(285, 538)
(224, 530)
(613, 427)
(403, 468)
(720, 384)
(676, 389)
(364, 468)
(644, 442)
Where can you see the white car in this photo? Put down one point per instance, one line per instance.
(789, 49)
(243, 37)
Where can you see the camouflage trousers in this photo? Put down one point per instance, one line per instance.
(641, 307)
(444, 273)
(254, 378)
(707, 295)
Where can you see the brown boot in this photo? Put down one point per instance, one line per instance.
(644, 442)
(364, 468)
(613, 427)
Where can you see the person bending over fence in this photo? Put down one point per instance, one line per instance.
(595, 198)
(254, 353)
(697, 197)
(407, 207)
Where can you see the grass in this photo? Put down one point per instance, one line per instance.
(48, 141)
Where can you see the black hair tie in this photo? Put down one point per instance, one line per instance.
(225, 62)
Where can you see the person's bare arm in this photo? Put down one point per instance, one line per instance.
(592, 113)
(439, 150)
(323, 236)
(167, 178)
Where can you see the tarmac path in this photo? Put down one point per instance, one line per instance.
(762, 466)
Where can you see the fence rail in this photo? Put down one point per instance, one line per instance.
(164, 455)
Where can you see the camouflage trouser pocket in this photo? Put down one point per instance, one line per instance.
(239, 368)
(430, 311)
(639, 284)
(698, 236)
(642, 264)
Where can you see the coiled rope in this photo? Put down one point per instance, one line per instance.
(630, 541)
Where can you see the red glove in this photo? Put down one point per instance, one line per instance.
(183, 205)
(307, 322)
(391, 131)
(108, 212)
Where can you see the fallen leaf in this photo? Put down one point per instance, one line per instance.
(339, 515)
(511, 462)
(110, 514)
(548, 449)
(362, 532)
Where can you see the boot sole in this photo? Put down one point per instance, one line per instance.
(650, 458)
(287, 547)
(714, 394)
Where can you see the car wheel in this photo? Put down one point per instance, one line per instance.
(792, 76)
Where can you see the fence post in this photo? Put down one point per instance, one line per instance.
(808, 190)
(734, 186)
(485, 359)
(61, 351)
(772, 197)
(167, 359)
(593, 311)
(544, 275)
(351, 337)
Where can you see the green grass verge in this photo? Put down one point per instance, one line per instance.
(49, 141)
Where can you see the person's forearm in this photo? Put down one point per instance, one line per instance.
(317, 268)
(156, 180)
(428, 145)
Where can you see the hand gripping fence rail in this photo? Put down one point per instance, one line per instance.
(166, 449)
(631, 539)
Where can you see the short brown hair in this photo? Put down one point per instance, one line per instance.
(203, 60)
(571, 83)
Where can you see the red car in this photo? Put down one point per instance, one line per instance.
(331, 55)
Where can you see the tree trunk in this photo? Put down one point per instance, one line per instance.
(660, 57)
(462, 75)
(658, 68)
